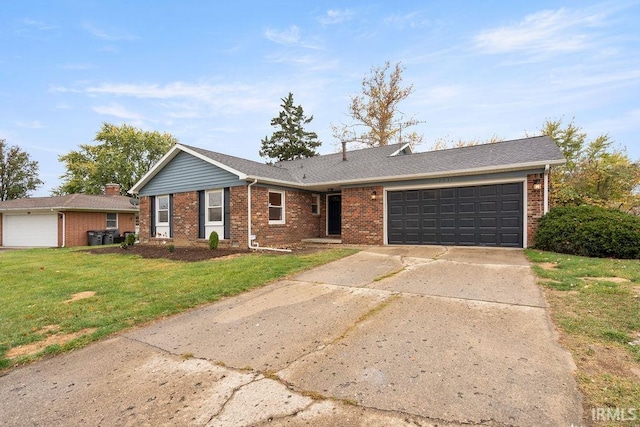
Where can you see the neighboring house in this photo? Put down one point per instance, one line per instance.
(64, 220)
(484, 195)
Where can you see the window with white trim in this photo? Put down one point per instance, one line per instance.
(276, 207)
(112, 220)
(162, 209)
(214, 202)
(315, 204)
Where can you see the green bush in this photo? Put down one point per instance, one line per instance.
(130, 239)
(213, 240)
(590, 231)
(171, 248)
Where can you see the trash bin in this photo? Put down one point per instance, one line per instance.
(108, 236)
(95, 237)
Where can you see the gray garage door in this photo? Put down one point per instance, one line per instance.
(486, 215)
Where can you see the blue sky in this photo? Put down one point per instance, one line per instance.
(212, 73)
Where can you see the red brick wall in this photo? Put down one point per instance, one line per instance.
(144, 218)
(362, 217)
(300, 223)
(185, 218)
(535, 206)
(78, 223)
(238, 208)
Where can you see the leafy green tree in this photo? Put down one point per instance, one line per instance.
(18, 174)
(123, 155)
(291, 140)
(376, 109)
(595, 172)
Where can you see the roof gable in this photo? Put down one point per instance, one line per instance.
(188, 172)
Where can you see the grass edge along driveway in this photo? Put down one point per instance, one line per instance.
(595, 306)
(39, 315)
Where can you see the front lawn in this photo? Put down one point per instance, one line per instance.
(54, 300)
(595, 303)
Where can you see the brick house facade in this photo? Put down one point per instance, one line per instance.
(64, 220)
(508, 183)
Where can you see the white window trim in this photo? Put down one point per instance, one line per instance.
(315, 198)
(282, 206)
(107, 220)
(206, 207)
(158, 222)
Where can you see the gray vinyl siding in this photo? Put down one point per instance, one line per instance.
(453, 180)
(189, 173)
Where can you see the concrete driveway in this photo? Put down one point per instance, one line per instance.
(391, 336)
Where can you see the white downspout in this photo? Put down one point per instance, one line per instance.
(64, 229)
(546, 190)
(249, 241)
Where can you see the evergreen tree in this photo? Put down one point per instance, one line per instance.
(290, 141)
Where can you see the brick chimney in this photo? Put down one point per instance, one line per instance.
(112, 189)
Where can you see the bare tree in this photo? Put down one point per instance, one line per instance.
(376, 109)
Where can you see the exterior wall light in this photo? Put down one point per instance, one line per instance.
(373, 195)
(536, 184)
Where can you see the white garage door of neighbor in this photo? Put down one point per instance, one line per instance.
(30, 230)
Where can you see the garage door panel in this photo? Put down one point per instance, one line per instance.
(26, 230)
(429, 195)
(429, 209)
(510, 206)
(412, 210)
(467, 223)
(447, 208)
(488, 215)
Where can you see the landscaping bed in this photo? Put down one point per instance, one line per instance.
(177, 253)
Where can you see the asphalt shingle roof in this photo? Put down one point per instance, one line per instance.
(71, 202)
(373, 163)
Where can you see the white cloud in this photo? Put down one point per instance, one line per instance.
(110, 35)
(336, 16)
(34, 124)
(544, 32)
(119, 111)
(38, 25)
(290, 36)
(408, 20)
(76, 66)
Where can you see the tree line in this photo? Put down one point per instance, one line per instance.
(596, 172)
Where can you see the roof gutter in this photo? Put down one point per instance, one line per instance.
(250, 239)
(475, 171)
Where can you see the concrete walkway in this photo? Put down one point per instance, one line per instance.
(391, 336)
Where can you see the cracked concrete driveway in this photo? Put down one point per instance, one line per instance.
(391, 336)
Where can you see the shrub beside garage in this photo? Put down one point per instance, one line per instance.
(589, 231)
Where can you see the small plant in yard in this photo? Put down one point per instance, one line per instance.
(213, 240)
(171, 248)
(130, 239)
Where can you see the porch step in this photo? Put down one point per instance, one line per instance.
(323, 240)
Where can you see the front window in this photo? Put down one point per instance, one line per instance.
(214, 206)
(162, 209)
(112, 220)
(276, 207)
(315, 204)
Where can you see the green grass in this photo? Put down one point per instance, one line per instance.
(34, 285)
(597, 320)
